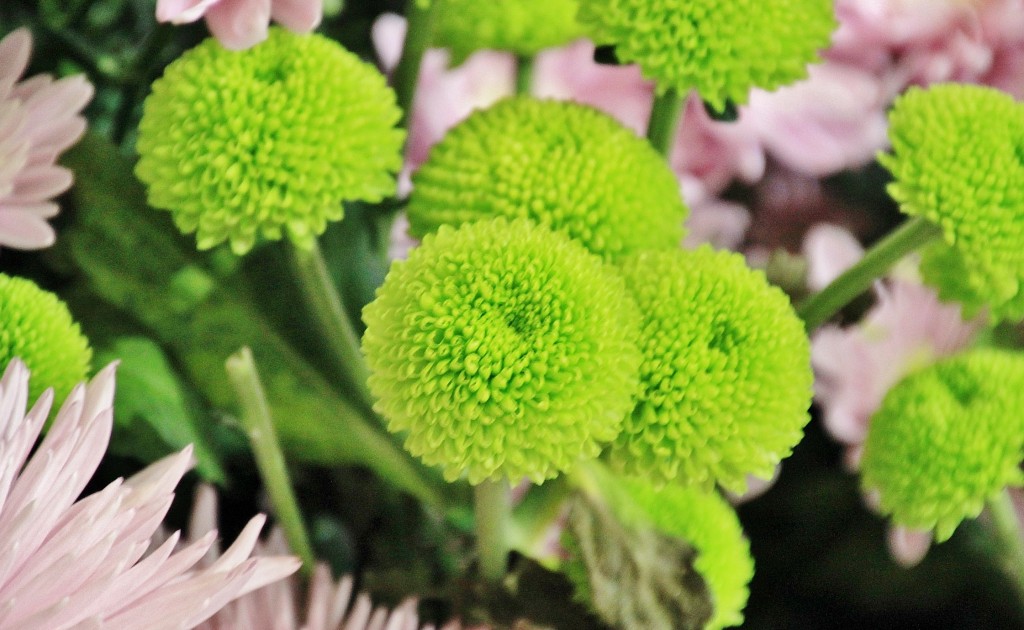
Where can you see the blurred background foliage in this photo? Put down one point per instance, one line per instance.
(821, 560)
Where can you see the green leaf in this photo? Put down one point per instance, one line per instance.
(151, 411)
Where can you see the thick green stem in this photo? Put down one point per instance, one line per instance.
(819, 308)
(492, 508)
(661, 128)
(524, 74)
(1008, 537)
(259, 427)
(417, 40)
(336, 329)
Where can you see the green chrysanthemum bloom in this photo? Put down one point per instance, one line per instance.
(721, 49)
(726, 376)
(563, 165)
(524, 27)
(37, 327)
(504, 349)
(271, 140)
(946, 439)
(709, 523)
(958, 161)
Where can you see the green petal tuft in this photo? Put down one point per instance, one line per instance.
(720, 49)
(958, 161)
(563, 165)
(37, 327)
(524, 27)
(268, 141)
(504, 350)
(946, 439)
(726, 376)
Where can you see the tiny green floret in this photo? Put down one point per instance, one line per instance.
(726, 376)
(958, 161)
(267, 141)
(37, 327)
(566, 166)
(523, 27)
(503, 350)
(720, 49)
(946, 439)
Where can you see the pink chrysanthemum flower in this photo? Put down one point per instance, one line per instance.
(39, 119)
(239, 24)
(68, 564)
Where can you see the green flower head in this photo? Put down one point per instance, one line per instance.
(37, 327)
(958, 161)
(946, 439)
(504, 350)
(726, 376)
(267, 141)
(720, 49)
(563, 165)
(524, 27)
(709, 523)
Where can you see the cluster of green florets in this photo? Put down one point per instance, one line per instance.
(946, 439)
(524, 27)
(268, 141)
(37, 327)
(504, 350)
(720, 49)
(726, 381)
(562, 165)
(958, 161)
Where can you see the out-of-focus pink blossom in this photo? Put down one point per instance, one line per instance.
(721, 223)
(39, 119)
(82, 564)
(239, 24)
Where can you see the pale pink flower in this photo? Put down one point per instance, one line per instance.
(39, 119)
(721, 223)
(68, 564)
(239, 24)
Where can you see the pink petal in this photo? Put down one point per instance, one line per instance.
(239, 24)
(301, 16)
(14, 53)
(22, 230)
(908, 546)
(182, 11)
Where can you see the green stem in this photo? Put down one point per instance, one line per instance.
(524, 74)
(1009, 541)
(820, 307)
(534, 515)
(661, 128)
(259, 427)
(417, 40)
(336, 329)
(491, 507)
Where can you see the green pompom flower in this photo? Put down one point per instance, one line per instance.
(267, 141)
(720, 49)
(946, 439)
(726, 377)
(37, 327)
(709, 523)
(504, 349)
(958, 161)
(524, 27)
(563, 165)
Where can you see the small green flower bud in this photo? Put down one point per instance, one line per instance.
(726, 376)
(504, 350)
(958, 160)
(37, 327)
(946, 439)
(267, 141)
(563, 165)
(524, 27)
(720, 49)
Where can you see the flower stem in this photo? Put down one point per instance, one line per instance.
(255, 417)
(336, 329)
(820, 307)
(661, 128)
(417, 40)
(492, 509)
(1009, 541)
(524, 74)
